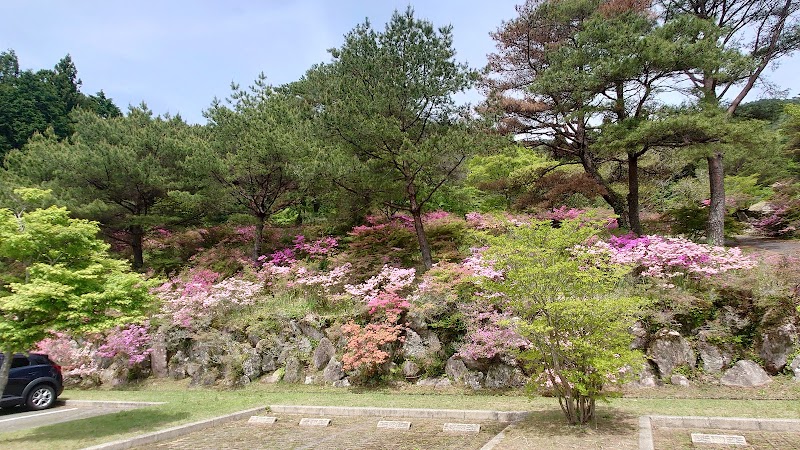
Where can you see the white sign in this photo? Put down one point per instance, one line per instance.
(394, 424)
(262, 420)
(306, 422)
(724, 439)
(462, 427)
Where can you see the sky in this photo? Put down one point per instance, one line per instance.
(176, 56)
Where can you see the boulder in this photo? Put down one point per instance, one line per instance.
(252, 363)
(679, 380)
(776, 346)
(410, 369)
(503, 376)
(294, 370)
(309, 328)
(333, 371)
(795, 366)
(414, 347)
(115, 375)
(669, 350)
(713, 358)
(732, 320)
(455, 368)
(474, 380)
(158, 356)
(274, 377)
(649, 377)
(323, 354)
(745, 373)
(341, 383)
(639, 333)
(177, 365)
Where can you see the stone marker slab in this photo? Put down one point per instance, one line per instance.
(394, 424)
(262, 420)
(724, 439)
(462, 427)
(306, 422)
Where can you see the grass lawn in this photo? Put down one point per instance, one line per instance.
(185, 404)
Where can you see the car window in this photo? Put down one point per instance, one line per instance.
(19, 361)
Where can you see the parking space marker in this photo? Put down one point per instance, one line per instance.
(37, 415)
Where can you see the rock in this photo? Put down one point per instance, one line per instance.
(745, 373)
(304, 346)
(342, 383)
(252, 364)
(776, 346)
(294, 370)
(323, 354)
(443, 383)
(274, 377)
(333, 371)
(502, 376)
(639, 333)
(410, 369)
(177, 366)
(712, 358)
(669, 350)
(268, 363)
(207, 377)
(474, 380)
(455, 368)
(428, 382)
(310, 379)
(732, 320)
(158, 356)
(679, 380)
(115, 375)
(795, 366)
(414, 347)
(649, 377)
(310, 330)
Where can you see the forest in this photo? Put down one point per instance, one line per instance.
(618, 147)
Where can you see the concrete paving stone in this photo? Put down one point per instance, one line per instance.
(343, 433)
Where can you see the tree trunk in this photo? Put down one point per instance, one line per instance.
(422, 238)
(4, 370)
(259, 237)
(610, 196)
(716, 209)
(633, 194)
(137, 235)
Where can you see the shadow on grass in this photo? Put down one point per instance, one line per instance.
(79, 432)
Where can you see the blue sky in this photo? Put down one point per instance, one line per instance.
(178, 55)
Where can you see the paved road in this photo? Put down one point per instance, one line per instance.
(15, 419)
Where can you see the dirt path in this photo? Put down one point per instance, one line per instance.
(780, 246)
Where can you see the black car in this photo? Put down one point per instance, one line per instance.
(34, 380)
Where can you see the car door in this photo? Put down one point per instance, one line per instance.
(19, 376)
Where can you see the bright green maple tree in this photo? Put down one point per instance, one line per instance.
(56, 275)
(571, 308)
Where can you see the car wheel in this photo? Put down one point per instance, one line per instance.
(41, 397)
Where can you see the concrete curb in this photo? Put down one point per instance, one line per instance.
(109, 404)
(498, 438)
(171, 433)
(645, 434)
(419, 413)
(646, 424)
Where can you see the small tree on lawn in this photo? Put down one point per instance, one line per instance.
(571, 310)
(56, 275)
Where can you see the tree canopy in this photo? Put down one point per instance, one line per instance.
(386, 115)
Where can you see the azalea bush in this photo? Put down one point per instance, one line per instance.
(192, 301)
(133, 343)
(666, 258)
